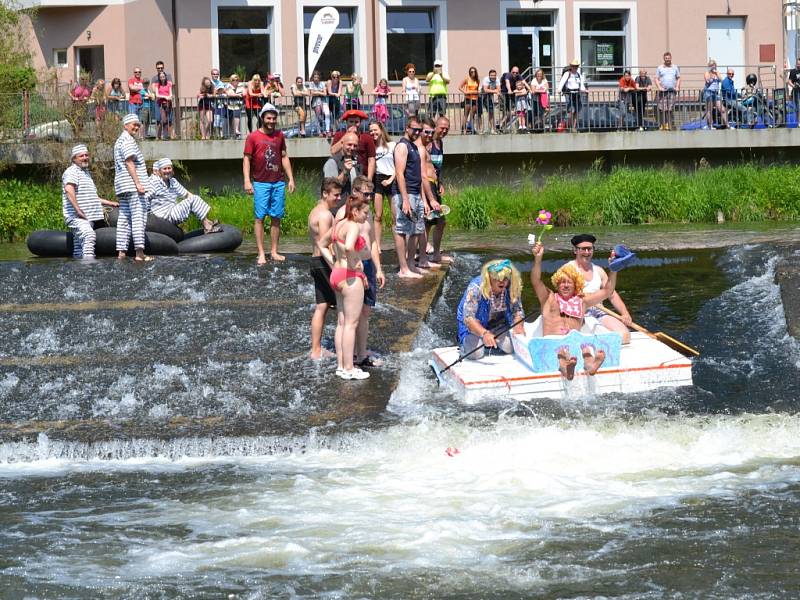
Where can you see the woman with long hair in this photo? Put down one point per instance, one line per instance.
(253, 101)
(411, 90)
(711, 96)
(348, 281)
(163, 89)
(540, 89)
(384, 173)
(470, 87)
(205, 107)
(319, 103)
(235, 91)
(335, 91)
(116, 100)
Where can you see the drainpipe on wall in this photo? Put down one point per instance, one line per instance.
(176, 92)
(375, 75)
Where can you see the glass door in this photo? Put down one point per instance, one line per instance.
(520, 51)
(545, 54)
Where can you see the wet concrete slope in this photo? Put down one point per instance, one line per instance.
(185, 346)
(787, 275)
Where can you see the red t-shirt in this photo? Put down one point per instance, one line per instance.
(135, 94)
(366, 148)
(265, 153)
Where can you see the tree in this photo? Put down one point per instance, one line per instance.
(16, 64)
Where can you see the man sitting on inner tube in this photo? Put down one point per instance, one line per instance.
(80, 204)
(165, 192)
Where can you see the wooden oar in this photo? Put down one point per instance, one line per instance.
(659, 335)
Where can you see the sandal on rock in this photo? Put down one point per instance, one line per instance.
(370, 362)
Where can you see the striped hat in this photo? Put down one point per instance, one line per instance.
(79, 149)
(163, 162)
(130, 118)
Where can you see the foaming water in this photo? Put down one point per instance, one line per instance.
(393, 503)
(649, 495)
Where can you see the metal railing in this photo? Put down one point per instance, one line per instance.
(31, 116)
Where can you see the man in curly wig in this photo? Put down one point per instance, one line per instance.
(564, 310)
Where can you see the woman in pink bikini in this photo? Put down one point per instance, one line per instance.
(348, 282)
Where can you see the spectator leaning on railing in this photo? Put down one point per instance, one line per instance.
(164, 101)
(335, 91)
(437, 90)
(627, 94)
(411, 90)
(319, 103)
(220, 123)
(490, 92)
(235, 92)
(643, 86)
(540, 103)
(730, 97)
(380, 111)
(148, 111)
(470, 87)
(572, 85)
(135, 86)
(253, 101)
(352, 92)
(668, 84)
(116, 98)
(299, 96)
(205, 107)
(508, 86)
(793, 82)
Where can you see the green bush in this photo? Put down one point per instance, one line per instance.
(26, 207)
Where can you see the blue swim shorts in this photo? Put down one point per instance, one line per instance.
(269, 199)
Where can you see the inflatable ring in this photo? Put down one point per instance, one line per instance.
(197, 242)
(154, 223)
(50, 243)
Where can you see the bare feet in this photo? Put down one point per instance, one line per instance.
(277, 257)
(144, 258)
(566, 363)
(441, 258)
(323, 353)
(592, 362)
(261, 260)
(409, 275)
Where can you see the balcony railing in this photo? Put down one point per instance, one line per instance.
(33, 116)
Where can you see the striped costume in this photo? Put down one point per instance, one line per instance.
(86, 194)
(132, 205)
(164, 201)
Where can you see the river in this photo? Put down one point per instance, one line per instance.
(674, 493)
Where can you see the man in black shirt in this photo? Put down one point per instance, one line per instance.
(508, 83)
(794, 84)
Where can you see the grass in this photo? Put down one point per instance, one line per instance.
(748, 192)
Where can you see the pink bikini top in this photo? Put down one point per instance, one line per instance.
(361, 243)
(573, 307)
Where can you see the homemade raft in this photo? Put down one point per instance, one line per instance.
(532, 371)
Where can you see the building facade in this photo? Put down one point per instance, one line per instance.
(376, 38)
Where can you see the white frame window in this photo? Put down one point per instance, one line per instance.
(439, 12)
(359, 33)
(61, 64)
(557, 8)
(275, 42)
(429, 30)
(628, 35)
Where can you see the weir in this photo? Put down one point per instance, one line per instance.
(184, 348)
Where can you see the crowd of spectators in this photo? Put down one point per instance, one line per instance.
(229, 108)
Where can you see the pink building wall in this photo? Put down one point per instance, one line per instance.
(138, 32)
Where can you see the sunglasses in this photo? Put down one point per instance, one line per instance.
(427, 131)
(137, 72)
(368, 194)
(415, 129)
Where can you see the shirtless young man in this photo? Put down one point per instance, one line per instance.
(423, 143)
(564, 310)
(371, 262)
(596, 278)
(320, 222)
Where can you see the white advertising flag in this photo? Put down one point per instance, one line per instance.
(323, 25)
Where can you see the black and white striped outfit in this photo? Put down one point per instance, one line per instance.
(86, 194)
(164, 201)
(132, 205)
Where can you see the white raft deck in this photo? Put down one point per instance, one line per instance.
(645, 364)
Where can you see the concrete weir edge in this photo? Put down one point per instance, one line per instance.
(97, 438)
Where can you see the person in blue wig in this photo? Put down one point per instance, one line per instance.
(492, 301)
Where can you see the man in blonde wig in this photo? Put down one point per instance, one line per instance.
(492, 301)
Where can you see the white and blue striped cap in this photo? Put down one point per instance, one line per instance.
(130, 118)
(163, 162)
(78, 149)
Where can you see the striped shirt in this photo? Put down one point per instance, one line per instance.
(85, 194)
(164, 195)
(126, 147)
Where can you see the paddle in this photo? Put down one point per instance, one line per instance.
(499, 332)
(659, 335)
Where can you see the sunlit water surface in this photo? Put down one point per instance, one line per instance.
(691, 491)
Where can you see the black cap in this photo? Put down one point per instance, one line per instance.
(583, 237)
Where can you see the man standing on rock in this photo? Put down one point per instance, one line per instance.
(130, 178)
(80, 203)
(407, 199)
(320, 223)
(264, 164)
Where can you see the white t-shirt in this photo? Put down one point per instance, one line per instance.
(384, 159)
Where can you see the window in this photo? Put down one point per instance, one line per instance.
(244, 40)
(339, 54)
(410, 38)
(603, 41)
(529, 19)
(60, 57)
